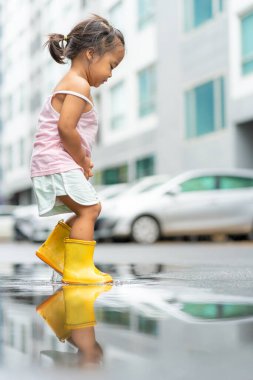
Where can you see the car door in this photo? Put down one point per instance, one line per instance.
(191, 209)
(234, 202)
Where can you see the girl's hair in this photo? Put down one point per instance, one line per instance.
(95, 33)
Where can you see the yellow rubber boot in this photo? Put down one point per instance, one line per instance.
(52, 250)
(52, 310)
(79, 304)
(79, 265)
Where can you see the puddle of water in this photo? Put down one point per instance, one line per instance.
(145, 323)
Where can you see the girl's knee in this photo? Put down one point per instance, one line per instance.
(91, 211)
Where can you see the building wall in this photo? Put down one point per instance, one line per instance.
(190, 59)
(183, 59)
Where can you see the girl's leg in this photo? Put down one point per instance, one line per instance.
(70, 221)
(79, 247)
(84, 221)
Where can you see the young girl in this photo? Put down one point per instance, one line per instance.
(61, 159)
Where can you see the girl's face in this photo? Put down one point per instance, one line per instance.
(100, 68)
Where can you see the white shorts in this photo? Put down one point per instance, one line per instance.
(72, 183)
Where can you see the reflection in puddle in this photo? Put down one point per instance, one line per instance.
(70, 314)
(141, 321)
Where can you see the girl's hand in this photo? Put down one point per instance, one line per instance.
(87, 166)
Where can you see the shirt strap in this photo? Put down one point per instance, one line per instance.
(75, 94)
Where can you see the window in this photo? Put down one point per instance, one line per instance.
(234, 182)
(83, 3)
(21, 97)
(205, 108)
(199, 184)
(9, 107)
(115, 15)
(35, 101)
(247, 43)
(145, 167)
(115, 175)
(22, 151)
(9, 157)
(118, 102)
(147, 325)
(197, 12)
(146, 12)
(147, 90)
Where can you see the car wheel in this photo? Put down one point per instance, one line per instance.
(145, 230)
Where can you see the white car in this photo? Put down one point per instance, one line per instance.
(198, 202)
(29, 225)
(6, 221)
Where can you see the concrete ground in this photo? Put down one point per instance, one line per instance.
(175, 310)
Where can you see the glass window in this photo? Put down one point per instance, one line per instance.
(214, 311)
(205, 108)
(35, 101)
(118, 101)
(202, 11)
(199, 184)
(83, 3)
(147, 90)
(231, 182)
(197, 12)
(21, 97)
(9, 157)
(147, 325)
(146, 11)
(114, 317)
(115, 175)
(115, 16)
(247, 43)
(145, 167)
(22, 152)
(9, 107)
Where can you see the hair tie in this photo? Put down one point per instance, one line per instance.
(65, 38)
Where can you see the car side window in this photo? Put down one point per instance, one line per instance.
(205, 183)
(230, 182)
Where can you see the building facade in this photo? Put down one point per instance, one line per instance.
(181, 98)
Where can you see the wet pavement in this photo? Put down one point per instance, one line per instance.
(169, 319)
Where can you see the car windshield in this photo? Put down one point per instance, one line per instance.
(146, 184)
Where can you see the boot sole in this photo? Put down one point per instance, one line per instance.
(46, 261)
(86, 283)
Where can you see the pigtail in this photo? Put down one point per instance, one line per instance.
(93, 33)
(55, 44)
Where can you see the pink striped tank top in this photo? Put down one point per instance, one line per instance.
(49, 155)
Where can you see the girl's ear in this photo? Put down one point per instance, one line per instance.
(89, 54)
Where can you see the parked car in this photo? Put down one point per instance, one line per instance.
(30, 226)
(141, 185)
(6, 221)
(198, 202)
(111, 191)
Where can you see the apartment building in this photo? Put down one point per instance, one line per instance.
(205, 84)
(180, 99)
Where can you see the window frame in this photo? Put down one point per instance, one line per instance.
(144, 20)
(217, 7)
(145, 108)
(191, 127)
(119, 114)
(249, 58)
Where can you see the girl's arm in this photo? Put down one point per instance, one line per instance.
(70, 113)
